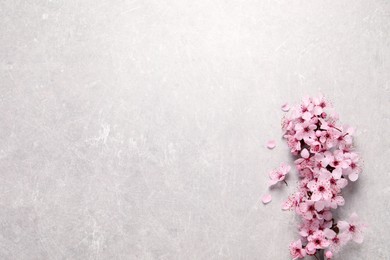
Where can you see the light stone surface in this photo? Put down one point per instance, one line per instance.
(137, 129)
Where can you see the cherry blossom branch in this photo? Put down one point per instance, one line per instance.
(326, 162)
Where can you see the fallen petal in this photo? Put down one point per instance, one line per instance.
(266, 198)
(285, 107)
(271, 144)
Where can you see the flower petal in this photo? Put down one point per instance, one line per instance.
(327, 215)
(307, 116)
(285, 107)
(266, 198)
(305, 153)
(319, 205)
(353, 176)
(272, 182)
(358, 237)
(271, 144)
(330, 234)
(342, 225)
(342, 183)
(337, 173)
(354, 218)
(316, 196)
(339, 200)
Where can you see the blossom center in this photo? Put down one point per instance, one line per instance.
(352, 228)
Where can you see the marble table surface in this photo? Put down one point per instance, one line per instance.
(136, 129)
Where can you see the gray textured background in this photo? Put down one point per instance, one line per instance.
(136, 129)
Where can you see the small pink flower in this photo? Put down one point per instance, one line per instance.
(354, 169)
(345, 140)
(324, 158)
(320, 104)
(293, 143)
(279, 174)
(339, 160)
(296, 249)
(305, 131)
(328, 137)
(309, 227)
(354, 228)
(336, 201)
(320, 189)
(336, 241)
(327, 215)
(292, 201)
(337, 185)
(315, 146)
(317, 241)
(307, 209)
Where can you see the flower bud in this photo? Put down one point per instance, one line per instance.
(328, 254)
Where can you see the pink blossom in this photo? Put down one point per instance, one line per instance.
(345, 140)
(292, 201)
(354, 228)
(320, 104)
(336, 201)
(328, 137)
(324, 158)
(296, 249)
(354, 169)
(317, 241)
(315, 146)
(337, 185)
(294, 144)
(306, 105)
(309, 227)
(279, 174)
(305, 130)
(307, 209)
(336, 240)
(320, 189)
(339, 160)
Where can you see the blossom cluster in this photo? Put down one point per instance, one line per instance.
(326, 162)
